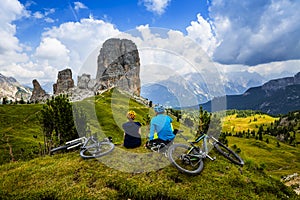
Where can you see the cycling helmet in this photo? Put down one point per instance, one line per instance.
(159, 109)
(131, 114)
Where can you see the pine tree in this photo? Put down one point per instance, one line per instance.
(204, 121)
(57, 121)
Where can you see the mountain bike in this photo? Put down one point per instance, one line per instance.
(90, 147)
(189, 158)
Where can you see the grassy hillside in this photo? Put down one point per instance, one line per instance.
(67, 176)
(135, 173)
(20, 132)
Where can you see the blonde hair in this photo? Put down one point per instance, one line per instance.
(131, 114)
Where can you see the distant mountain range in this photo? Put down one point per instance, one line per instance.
(278, 96)
(12, 90)
(191, 89)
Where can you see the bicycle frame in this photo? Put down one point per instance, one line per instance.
(82, 141)
(204, 153)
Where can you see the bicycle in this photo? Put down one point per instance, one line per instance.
(189, 158)
(90, 147)
(160, 148)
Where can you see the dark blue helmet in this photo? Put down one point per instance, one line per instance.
(159, 109)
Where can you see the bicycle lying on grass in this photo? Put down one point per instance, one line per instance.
(90, 147)
(189, 158)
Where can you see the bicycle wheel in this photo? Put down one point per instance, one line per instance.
(97, 150)
(229, 154)
(187, 163)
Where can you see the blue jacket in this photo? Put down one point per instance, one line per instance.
(161, 124)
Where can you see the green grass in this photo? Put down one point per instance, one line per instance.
(232, 123)
(277, 161)
(67, 176)
(133, 173)
(20, 132)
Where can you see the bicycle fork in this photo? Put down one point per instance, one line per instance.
(206, 150)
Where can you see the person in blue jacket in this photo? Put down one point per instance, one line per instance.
(161, 129)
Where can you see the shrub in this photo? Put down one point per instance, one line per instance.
(57, 121)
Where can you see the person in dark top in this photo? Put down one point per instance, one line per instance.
(132, 131)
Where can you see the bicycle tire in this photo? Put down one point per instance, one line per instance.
(63, 148)
(60, 148)
(97, 150)
(182, 161)
(228, 153)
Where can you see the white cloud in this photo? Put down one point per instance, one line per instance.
(11, 51)
(78, 5)
(81, 38)
(255, 32)
(165, 52)
(277, 69)
(49, 11)
(38, 15)
(68, 45)
(49, 20)
(53, 51)
(202, 31)
(10, 10)
(156, 6)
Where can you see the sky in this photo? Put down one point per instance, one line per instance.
(38, 38)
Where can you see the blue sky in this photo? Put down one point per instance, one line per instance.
(38, 38)
(123, 14)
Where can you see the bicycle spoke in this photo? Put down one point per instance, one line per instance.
(183, 160)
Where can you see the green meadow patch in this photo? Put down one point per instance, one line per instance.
(232, 123)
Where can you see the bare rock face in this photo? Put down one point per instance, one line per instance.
(85, 82)
(38, 94)
(64, 82)
(119, 65)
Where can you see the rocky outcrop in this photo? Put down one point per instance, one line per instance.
(38, 94)
(119, 66)
(64, 82)
(86, 82)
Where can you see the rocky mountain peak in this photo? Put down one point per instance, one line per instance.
(38, 94)
(119, 65)
(12, 90)
(64, 82)
(7, 79)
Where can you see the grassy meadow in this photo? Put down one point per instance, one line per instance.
(232, 123)
(20, 132)
(135, 173)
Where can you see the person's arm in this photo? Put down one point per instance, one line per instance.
(152, 130)
(171, 125)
